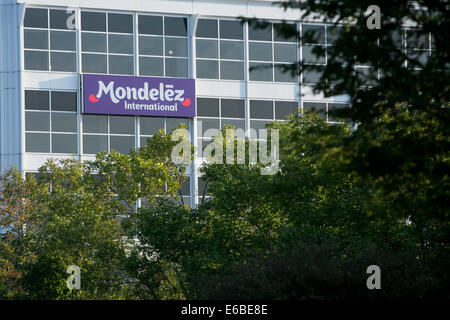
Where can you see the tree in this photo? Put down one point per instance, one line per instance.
(400, 99)
(84, 214)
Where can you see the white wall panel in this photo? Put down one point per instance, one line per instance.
(273, 91)
(49, 80)
(220, 88)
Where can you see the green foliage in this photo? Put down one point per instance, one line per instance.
(80, 213)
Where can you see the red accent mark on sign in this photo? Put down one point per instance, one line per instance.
(186, 102)
(93, 99)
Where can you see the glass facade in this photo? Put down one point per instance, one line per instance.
(223, 51)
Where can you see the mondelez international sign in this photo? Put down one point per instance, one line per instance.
(139, 96)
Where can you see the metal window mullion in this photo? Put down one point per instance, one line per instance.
(246, 79)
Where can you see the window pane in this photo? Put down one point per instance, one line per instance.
(237, 124)
(336, 106)
(176, 47)
(207, 127)
(35, 39)
(122, 23)
(207, 69)
(418, 56)
(64, 101)
(121, 125)
(60, 19)
(202, 187)
(285, 52)
(261, 72)
(320, 108)
(260, 51)
(206, 28)
(94, 63)
(36, 60)
(37, 121)
(63, 61)
(150, 25)
(255, 126)
(309, 57)
(232, 70)
(313, 34)
(311, 76)
(231, 30)
(417, 39)
(93, 21)
(63, 40)
(120, 43)
(176, 67)
(95, 124)
(284, 108)
(260, 109)
(172, 123)
(122, 144)
(186, 187)
(37, 142)
(143, 141)
(232, 50)
(152, 46)
(175, 26)
(149, 125)
(233, 108)
(36, 18)
(333, 33)
(260, 34)
(37, 100)
(64, 143)
(207, 107)
(151, 66)
(279, 30)
(121, 65)
(283, 76)
(93, 42)
(94, 144)
(207, 49)
(64, 122)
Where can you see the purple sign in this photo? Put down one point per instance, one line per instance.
(139, 96)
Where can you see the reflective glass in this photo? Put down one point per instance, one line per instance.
(64, 143)
(207, 28)
(207, 107)
(63, 61)
(93, 21)
(35, 39)
(152, 46)
(207, 48)
(94, 63)
(64, 122)
(232, 50)
(37, 142)
(63, 40)
(176, 67)
(151, 66)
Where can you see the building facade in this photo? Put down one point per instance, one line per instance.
(46, 46)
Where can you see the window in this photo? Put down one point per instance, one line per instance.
(150, 125)
(163, 46)
(325, 110)
(263, 112)
(269, 51)
(49, 41)
(106, 133)
(214, 113)
(419, 48)
(220, 49)
(51, 121)
(107, 43)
